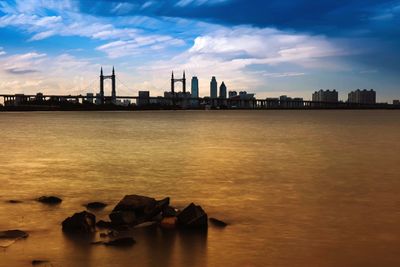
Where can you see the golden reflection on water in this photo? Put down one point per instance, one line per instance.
(301, 188)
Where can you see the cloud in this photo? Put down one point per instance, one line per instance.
(2, 52)
(20, 71)
(184, 3)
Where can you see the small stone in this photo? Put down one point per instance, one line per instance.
(82, 222)
(217, 222)
(49, 200)
(121, 242)
(168, 222)
(95, 205)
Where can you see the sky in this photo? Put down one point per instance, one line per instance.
(270, 48)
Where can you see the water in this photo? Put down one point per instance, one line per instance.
(300, 188)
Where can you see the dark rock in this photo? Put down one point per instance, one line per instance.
(134, 209)
(13, 201)
(169, 211)
(217, 222)
(82, 222)
(49, 200)
(193, 216)
(121, 242)
(13, 234)
(104, 224)
(39, 262)
(95, 205)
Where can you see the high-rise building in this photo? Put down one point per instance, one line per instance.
(222, 91)
(362, 97)
(232, 94)
(195, 87)
(325, 96)
(213, 88)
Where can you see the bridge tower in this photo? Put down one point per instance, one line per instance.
(113, 87)
(173, 81)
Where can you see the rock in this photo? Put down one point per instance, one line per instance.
(95, 205)
(135, 209)
(39, 262)
(103, 235)
(103, 224)
(193, 216)
(217, 222)
(13, 201)
(49, 200)
(13, 234)
(169, 211)
(168, 222)
(121, 242)
(82, 222)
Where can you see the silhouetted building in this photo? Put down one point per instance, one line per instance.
(396, 102)
(222, 91)
(195, 87)
(213, 88)
(362, 97)
(144, 98)
(89, 98)
(232, 94)
(325, 96)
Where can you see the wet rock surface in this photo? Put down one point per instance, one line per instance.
(40, 262)
(14, 201)
(49, 200)
(82, 222)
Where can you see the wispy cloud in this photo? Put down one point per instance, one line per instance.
(184, 3)
(2, 52)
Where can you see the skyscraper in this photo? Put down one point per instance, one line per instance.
(195, 87)
(222, 91)
(213, 88)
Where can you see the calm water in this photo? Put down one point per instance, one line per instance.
(300, 188)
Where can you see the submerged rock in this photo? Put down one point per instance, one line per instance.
(13, 234)
(82, 222)
(39, 262)
(121, 242)
(49, 200)
(193, 216)
(217, 222)
(13, 201)
(95, 205)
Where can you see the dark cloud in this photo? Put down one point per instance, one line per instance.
(18, 71)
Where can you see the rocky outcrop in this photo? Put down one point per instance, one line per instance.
(168, 222)
(136, 209)
(193, 216)
(104, 224)
(49, 200)
(82, 222)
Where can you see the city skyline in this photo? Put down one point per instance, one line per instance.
(58, 46)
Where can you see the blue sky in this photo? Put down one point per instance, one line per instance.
(267, 47)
